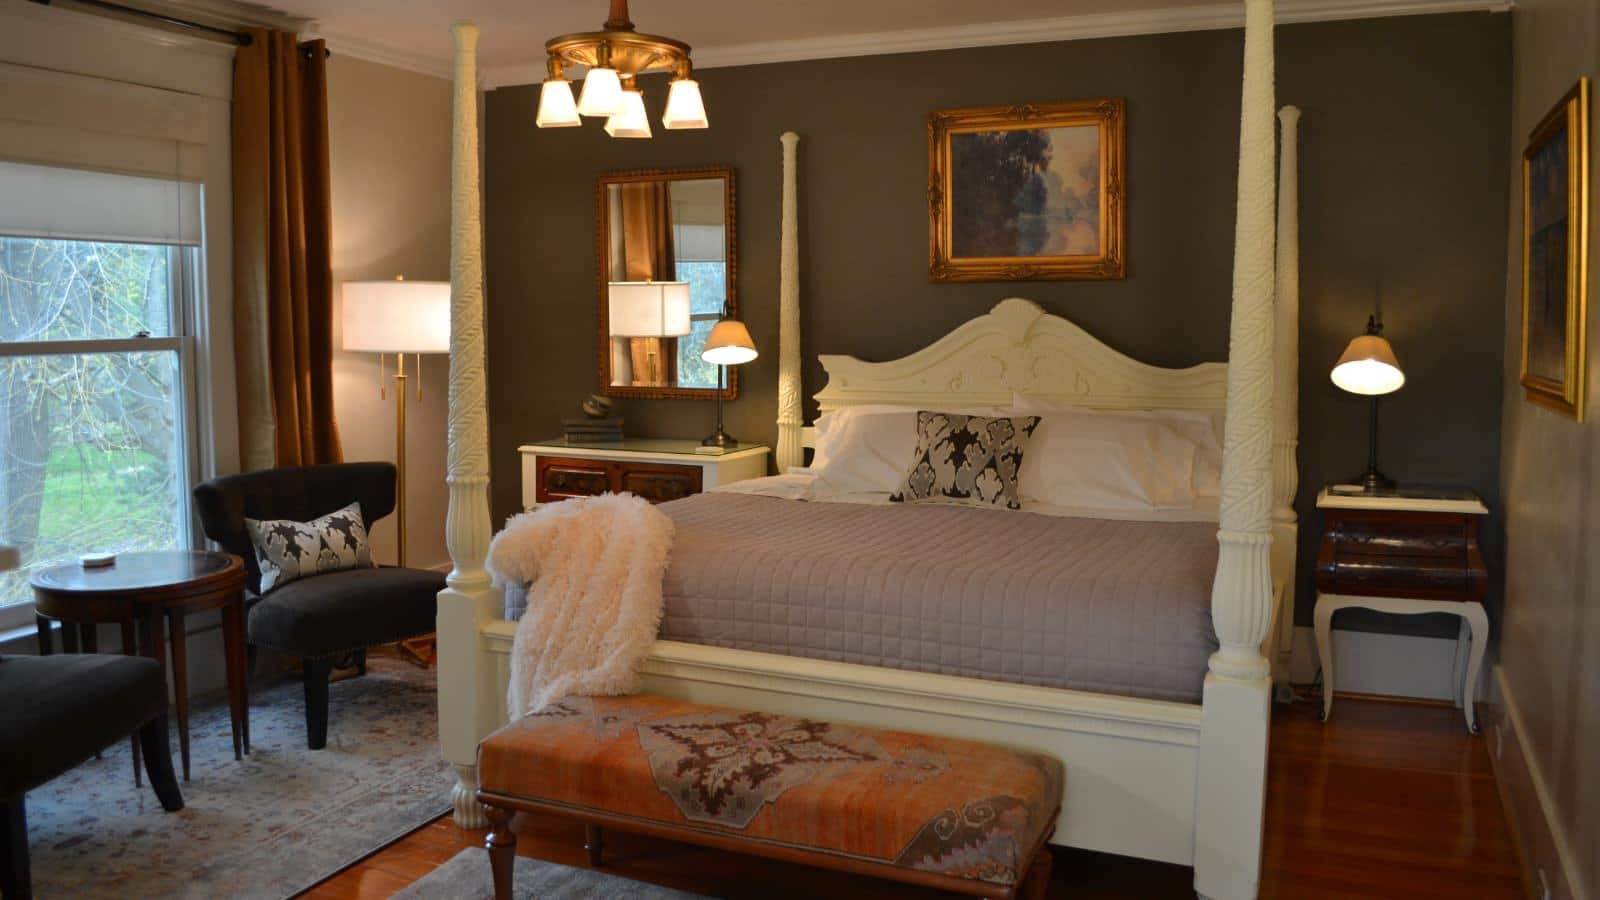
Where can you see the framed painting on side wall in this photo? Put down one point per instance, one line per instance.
(1027, 193)
(1555, 255)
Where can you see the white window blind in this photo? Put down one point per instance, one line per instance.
(78, 204)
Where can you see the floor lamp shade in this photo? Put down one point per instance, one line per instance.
(649, 308)
(397, 316)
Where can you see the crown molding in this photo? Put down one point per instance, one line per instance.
(1032, 31)
(371, 51)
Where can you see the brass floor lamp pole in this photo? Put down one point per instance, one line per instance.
(400, 456)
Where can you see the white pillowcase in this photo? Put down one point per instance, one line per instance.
(868, 448)
(1156, 459)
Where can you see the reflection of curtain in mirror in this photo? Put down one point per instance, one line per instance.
(647, 256)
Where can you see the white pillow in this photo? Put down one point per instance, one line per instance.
(1203, 429)
(867, 449)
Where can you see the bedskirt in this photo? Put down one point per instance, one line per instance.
(1098, 605)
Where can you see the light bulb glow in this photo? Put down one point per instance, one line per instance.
(684, 106)
(1368, 377)
(631, 121)
(556, 109)
(601, 94)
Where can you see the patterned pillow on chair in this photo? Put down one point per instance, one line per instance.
(967, 459)
(287, 550)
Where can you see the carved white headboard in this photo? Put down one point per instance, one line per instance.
(1018, 347)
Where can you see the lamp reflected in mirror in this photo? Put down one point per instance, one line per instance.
(644, 313)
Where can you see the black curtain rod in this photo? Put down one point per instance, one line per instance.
(242, 38)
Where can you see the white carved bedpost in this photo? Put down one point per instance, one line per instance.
(469, 599)
(790, 452)
(1231, 782)
(1286, 389)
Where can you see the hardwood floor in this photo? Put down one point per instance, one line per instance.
(1386, 800)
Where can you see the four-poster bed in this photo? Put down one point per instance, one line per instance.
(1177, 782)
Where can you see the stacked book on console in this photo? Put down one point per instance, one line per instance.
(592, 431)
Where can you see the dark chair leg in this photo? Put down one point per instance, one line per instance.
(502, 844)
(594, 841)
(15, 878)
(158, 762)
(316, 672)
(361, 662)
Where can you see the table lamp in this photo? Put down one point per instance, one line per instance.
(729, 344)
(644, 312)
(1369, 368)
(398, 317)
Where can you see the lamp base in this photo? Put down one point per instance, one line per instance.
(720, 439)
(1372, 481)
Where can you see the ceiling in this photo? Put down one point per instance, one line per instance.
(415, 33)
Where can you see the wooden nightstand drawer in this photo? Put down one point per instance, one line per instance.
(659, 470)
(658, 484)
(1401, 553)
(561, 478)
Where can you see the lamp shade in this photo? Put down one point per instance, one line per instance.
(556, 107)
(630, 121)
(1368, 367)
(684, 106)
(649, 308)
(601, 94)
(397, 316)
(729, 344)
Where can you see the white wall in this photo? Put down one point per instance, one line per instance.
(1548, 712)
(389, 147)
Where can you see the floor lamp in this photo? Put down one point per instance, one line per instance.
(403, 318)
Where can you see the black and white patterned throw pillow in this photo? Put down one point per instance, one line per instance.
(967, 459)
(288, 550)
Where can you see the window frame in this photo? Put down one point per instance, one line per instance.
(185, 295)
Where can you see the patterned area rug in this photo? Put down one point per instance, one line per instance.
(467, 877)
(277, 823)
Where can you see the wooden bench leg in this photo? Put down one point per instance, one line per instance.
(502, 844)
(1036, 882)
(594, 841)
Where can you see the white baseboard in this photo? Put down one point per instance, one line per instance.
(1546, 850)
(1394, 665)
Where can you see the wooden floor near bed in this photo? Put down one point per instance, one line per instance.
(1387, 800)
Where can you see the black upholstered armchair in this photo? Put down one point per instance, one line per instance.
(61, 710)
(323, 617)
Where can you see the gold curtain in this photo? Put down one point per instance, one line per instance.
(647, 231)
(283, 278)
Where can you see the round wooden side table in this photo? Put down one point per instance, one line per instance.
(136, 593)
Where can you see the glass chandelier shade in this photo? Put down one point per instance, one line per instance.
(615, 57)
(684, 106)
(556, 107)
(602, 93)
(631, 121)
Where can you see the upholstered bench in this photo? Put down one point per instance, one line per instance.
(958, 815)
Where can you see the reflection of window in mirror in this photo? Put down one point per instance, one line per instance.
(667, 278)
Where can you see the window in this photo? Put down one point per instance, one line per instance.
(708, 291)
(95, 387)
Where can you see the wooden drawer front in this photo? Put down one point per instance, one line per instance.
(658, 484)
(1401, 554)
(562, 478)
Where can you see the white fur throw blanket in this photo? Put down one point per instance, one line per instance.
(593, 566)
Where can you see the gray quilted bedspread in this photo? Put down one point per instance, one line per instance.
(1090, 604)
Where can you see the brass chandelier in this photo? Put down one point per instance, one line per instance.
(616, 56)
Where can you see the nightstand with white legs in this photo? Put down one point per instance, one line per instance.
(1406, 551)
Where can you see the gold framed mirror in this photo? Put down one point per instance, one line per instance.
(667, 271)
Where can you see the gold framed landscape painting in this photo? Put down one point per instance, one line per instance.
(1555, 252)
(1027, 192)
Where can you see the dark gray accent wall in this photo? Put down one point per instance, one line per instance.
(1404, 180)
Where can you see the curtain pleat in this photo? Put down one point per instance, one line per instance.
(283, 279)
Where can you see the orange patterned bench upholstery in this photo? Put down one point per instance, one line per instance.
(955, 814)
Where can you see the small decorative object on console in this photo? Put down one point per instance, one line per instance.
(1404, 551)
(596, 406)
(1368, 367)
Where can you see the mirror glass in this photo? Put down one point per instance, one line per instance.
(666, 277)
